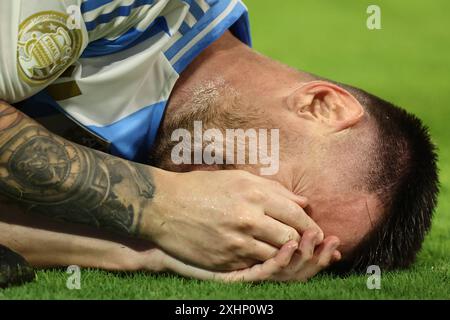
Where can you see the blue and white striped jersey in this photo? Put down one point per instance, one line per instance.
(109, 65)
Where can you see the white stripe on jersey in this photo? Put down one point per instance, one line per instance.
(205, 31)
(172, 14)
(203, 5)
(190, 19)
(173, 39)
(119, 25)
(105, 9)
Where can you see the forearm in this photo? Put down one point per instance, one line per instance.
(222, 220)
(45, 243)
(44, 174)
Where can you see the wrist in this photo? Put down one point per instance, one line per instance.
(132, 255)
(121, 259)
(151, 260)
(153, 216)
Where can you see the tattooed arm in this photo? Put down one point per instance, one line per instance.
(45, 243)
(222, 220)
(43, 173)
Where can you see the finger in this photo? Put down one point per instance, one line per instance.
(261, 251)
(174, 265)
(284, 256)
(274, 232)
(256, 273)
(302, 201)
(282, 190)
(266, 270)
(290, 213)
(305, 251)
(325, 251)
(310, 239)
(320, 261)
(336, 256)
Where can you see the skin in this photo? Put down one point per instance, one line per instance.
(44, 174)
(46, 243)
(244, 227)
(317, 121)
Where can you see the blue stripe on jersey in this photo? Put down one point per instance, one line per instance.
(129, 39)
(206, 20)
(134, 135)
(196, 11)
(184, 28)
(241, 28)
(238, 12)
(89, 5)
(122, 11)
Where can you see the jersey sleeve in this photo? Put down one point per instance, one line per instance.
(41, 39)
(117, 25)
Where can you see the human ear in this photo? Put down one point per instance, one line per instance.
(326, 104)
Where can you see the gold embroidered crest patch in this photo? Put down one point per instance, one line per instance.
(46, 46)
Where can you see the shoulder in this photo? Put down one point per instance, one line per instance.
(40, 39)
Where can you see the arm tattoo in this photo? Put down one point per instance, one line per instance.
(48, 175)
(11, 117)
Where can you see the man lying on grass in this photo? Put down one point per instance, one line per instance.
(356, 182)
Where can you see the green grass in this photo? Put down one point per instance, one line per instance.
(407, 62)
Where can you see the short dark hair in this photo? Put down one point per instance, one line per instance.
(404, 175)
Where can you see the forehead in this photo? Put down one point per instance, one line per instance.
(348, 216)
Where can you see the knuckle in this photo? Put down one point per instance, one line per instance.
(240, 244)
(320, 236)
(237, 244)
(292, 235)
(245, 223)
(255, 195)
(310, 234)
(240, 215)
(334, 240)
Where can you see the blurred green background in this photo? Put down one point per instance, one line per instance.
(406, 62)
